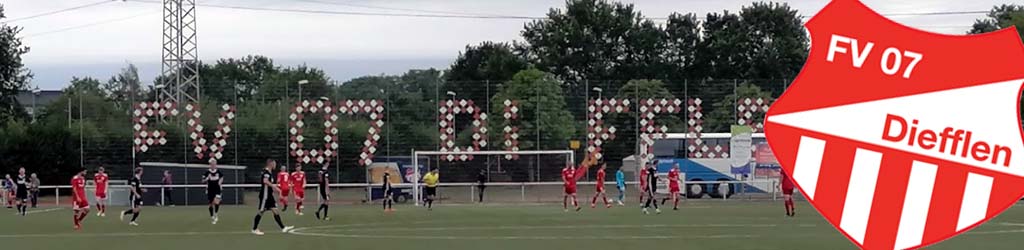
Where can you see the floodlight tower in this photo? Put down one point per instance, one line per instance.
(180, 64)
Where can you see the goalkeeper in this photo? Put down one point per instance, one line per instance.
(620, 183)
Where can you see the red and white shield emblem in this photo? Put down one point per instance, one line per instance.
(902, 138)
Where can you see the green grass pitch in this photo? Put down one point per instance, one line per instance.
(698, 225)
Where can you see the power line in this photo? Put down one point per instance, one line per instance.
(349, 13)
(402, 9)
(90, 24)
(439, 15)
(60, 11)
(448, 14)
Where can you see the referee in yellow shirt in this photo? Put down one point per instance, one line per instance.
(431, 190)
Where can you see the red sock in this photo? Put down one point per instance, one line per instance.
(565, 202)
(594, 200)
(574, 202)
(675, 201)
(298, 206)
(75, 218)
(81, 217)
(604, 197)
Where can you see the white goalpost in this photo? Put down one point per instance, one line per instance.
(416, 154)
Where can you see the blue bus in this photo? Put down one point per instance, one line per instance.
(674, 148)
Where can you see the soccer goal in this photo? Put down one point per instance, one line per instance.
(187, 187)
(508, 173)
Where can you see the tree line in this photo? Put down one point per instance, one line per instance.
(551, 71)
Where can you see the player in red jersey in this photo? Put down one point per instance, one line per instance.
(643, 185)
(787, 193)
(79, 204)
(569, 176)
(600, 188)
(101, 178)
(284, 184)
(299, 183)
(673, 186)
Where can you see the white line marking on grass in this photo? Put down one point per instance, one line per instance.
(325, 231)
(997, 232)
(622, 237)
(385, 229)
(61, 235)
(44, 210)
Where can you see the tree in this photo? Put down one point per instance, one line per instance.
(415, 96)
(487, 63)
(720, 53)
(1001, 17)
(411, 103)
(245, 77)
(595, 40)
(124, 87)
(723, 112)
(626, 124)
(97, 128)
(13, 75)
(543, 110)
(683, 36)
(315, 78)
(777, 44)
(763, 41)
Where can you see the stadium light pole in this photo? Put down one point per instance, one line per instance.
(302, 82)
(158, 86)
(35, 95)
(455, 130)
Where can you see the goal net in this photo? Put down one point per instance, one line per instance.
(510, 176)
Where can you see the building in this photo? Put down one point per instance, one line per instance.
(34, 101)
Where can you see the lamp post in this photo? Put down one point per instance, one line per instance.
(455, 130)
(302, 82)
(158, 87)
(35, 110)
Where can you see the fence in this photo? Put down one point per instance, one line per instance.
(375, 118)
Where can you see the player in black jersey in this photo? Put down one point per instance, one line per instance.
(652, 185)
(214, 180)
(134, 197)
(324, 189)
(386, 187)
(21, 192)
(267, 202)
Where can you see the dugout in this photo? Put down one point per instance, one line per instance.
(188, 174)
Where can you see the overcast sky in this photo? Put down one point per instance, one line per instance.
(118, 33)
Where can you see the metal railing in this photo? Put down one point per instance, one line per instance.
(469, 189)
